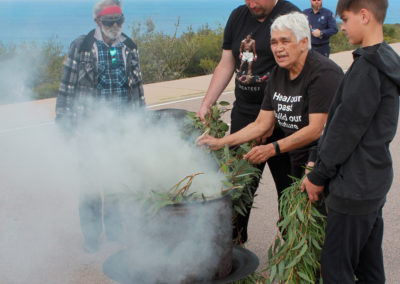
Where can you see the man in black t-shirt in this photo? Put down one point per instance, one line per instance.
(254, 18)
(297, 99)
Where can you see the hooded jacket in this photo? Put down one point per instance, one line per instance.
(354, 161)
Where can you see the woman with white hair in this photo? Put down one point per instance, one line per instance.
(297, 97)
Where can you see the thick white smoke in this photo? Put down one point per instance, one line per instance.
(44, 172)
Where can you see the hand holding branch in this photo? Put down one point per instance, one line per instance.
(211, 142)
(313, 190)
(260, 154)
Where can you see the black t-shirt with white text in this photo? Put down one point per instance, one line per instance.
(250, 85)
(310, 92)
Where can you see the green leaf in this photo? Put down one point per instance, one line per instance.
(315, 244)
(284, 223)
(277, 242)
(300, 244)
(273, 272)
(224, 127)
(224, 103)
(215, 112)
(304, 276)
(224, 168)
(270, 252)
(226, 151)
(281, 269)
(293, 263)
(300, 214)
(239, 210)
(303, 250)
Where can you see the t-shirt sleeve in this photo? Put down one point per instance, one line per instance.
(267, 100)
(266, 103)
(323, 88)
(228, 32)
(274, 79)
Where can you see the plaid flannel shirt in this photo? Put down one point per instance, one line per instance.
(111, 77)
(79, 82)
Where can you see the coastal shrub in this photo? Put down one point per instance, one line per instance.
(208, 53)
(37, 68)
(49, 70)
(162, 56)
(391, 32)
(339, 42)
(30, 71)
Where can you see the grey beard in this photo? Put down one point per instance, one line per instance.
(111, 33)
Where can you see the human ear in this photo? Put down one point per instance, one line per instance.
(98, 22)
(365, 16)
(304, 44)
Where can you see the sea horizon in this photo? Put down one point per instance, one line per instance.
(63, 21)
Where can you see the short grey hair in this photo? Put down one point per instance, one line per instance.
(100, 5)
(295, 22)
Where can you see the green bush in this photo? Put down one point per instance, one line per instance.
(162, 56)
(208, 52)
(49, 70)
(34, 70)
(339, 42)
(391, 32)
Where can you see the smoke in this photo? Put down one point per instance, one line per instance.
(139, 153)
(48, 177)
(16, 72)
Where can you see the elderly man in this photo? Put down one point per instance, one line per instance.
(101, 67)
(323, 26)
(254, 18)
(297, 98)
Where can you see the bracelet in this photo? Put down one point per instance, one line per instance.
(276, 146)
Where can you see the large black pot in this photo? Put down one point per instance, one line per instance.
(190, 243)
(167, 113)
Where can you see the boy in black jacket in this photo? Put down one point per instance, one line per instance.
(354, 162)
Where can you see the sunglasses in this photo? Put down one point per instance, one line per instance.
(111, 21)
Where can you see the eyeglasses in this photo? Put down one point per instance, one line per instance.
(113, 53)
(111, 21)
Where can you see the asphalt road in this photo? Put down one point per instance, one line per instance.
(40, 238)
(262, 229)
(40, 241)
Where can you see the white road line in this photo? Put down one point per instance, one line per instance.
(185, 100)
(10, 130)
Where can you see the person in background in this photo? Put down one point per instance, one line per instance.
(353, 162)
(102, 66)
(297, 98)
(323, 26)
(255, 18)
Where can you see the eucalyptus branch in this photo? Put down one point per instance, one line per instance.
(294, 255)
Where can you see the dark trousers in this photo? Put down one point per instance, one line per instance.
(279, 167)
(324, 49)
(92, 211)
(353, 247)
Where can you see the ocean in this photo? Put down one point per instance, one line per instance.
(63, 21)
